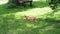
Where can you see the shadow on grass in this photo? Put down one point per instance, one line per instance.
(54, 31)
(37, 4)
(52, 20)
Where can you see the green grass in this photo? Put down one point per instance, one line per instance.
(12, 20)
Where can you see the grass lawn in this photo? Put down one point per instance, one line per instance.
(12, 20)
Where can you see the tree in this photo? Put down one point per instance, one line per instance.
(53, 3)
(15, 3)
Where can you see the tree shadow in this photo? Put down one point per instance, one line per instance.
(53, 31)
(36, 4)
(52, 20)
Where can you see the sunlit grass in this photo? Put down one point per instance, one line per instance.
(34, 12)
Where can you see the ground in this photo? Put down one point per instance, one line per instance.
(47, 20)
